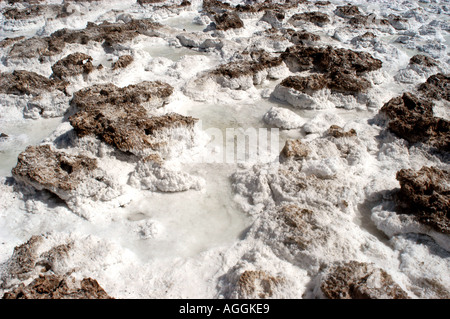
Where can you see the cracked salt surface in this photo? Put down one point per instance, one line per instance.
(229, 232)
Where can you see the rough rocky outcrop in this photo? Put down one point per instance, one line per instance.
(426, 194)
(412, 118)
(436, 87)
(357, 280)
(58, 287)
(72, 65)
(123, 62)
(21, 82)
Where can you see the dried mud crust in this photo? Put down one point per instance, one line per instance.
(46, 168)
(426, 194)
(21, 82)
(357, 280)
(411, 118)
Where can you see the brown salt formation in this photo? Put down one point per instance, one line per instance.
(26, 261)
(117, 117)
(298, 37)
(45, 168)
(423, 60)
(58, 287)
(228, 20)
(412, 118)
(346, 82)
(106, 33)
(310, 83)
(338, 132)
(72, 65)
(318, 18)
(426, 194)
(436, 87)
(357, 280)
(129, 129)
(259, 60)
(94, 97)
(338, 81)
(22, 82)
(8, 41)
(123, 62)
(347, 11)
(257, 284)
(295, 149)
(301, 58)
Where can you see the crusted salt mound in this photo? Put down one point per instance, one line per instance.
(318, 18)
(227, 20)
(347, 11)
(73, 178)
(21, 82)
(123, 62)
(324, 59)
(357, 280)
(340, 76)
(256, 284)
(283, 118)
(419, 68)
(33, 94)
(437, 86)
(72, 65)
(148, 94)
(58, 287)
(131, 130)
(151, 173)
(107, 33)
(412, 118)
(43, 267)
(426, 194)
(248, 72)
